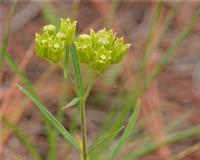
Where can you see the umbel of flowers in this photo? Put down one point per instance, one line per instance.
(51, 44)
(98, 50)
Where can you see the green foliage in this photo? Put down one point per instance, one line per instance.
(129, 129)
(177, 42)
(77, 70)
(152, 29)
(73, 102)
(152, 146)
(6, 35)
(51, 119)
(104, 141)
(23, 138)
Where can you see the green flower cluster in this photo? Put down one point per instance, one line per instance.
(100, 49)
(50, 45)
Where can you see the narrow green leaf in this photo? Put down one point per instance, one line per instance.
(52, 151)
(66, 73)
(152, 30)
(23, 138)
(129, 129)
(73, 102)
(115, 119)
(9, 59)
(6, 34)
(151, 147)
(179, 40)
(68, 76)
(51, 119)
(18, 72)
(67, 55)
(104, 141)
(77, 69)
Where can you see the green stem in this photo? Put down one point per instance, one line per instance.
(83, 129)
(90, 84)
(83, 123)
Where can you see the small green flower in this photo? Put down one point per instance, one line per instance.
(101, 60)
(100, 49)
(68, 27)
(84, 45)
(49, 45)
(102, 38)
(50, 49)
(61, 36)
(119, 50)
(49, 29)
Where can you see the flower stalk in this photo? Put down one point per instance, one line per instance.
(83, 118)
(83, 129)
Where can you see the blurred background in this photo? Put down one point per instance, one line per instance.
(162, 68)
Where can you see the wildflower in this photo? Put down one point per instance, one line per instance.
(100, 49)
(50, 45)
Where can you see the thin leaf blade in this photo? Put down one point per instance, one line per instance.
(23, 138)
(13, 65)
(107, 139)
(73, 102)
(77, 69)
(178, 41)
(148, 148)
(51, 119)
(127, 131)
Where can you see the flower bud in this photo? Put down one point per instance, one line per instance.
(50, 29)
(61, 36)
(68, 27)
(101, 60)
(105, 38)
(118, 50)
(84, 47)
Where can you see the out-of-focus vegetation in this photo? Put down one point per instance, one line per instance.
(158, 69)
